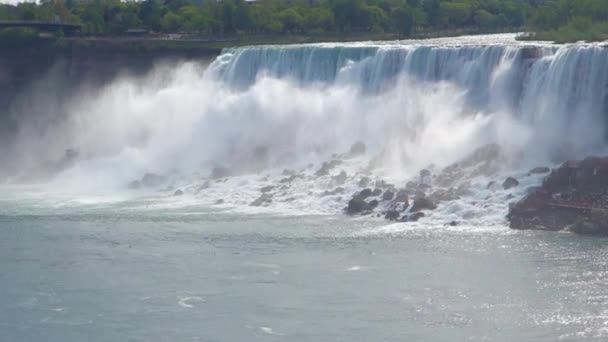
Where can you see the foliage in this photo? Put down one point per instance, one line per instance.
(563, 19)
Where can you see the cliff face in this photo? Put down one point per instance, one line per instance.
(56, 71)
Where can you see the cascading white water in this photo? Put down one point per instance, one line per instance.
(412, 103)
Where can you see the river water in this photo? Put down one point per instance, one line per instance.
(127, 272)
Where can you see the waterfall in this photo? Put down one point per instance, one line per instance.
(413, 103)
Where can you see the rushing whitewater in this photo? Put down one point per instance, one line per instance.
(259, 110)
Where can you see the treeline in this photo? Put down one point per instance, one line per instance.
(275, 16)
(570, 18)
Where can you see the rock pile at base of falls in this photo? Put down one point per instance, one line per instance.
(428, 191)
(572, 197)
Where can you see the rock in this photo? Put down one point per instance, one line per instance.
(265, 199)
(205, 185)
(539, 170)
(327, 167)
(373, 204)
(584, 226)
(491, 185)
(365, 193)
(289, 179)
(402, 197)
(453, 223)
(268, 188)
(415, 217)
(152, 180)
(509, 183)
(178, 193)
(573, 196)
(357, 149)
(388, 195)
(377, 192)
(220, 172)
(220, 201)
(442, 195)
(134, 185)
(423, 203)
(411, 186)
(364, 182)
(392, 215)
(356, 206)
(340, 178)
(336, 191)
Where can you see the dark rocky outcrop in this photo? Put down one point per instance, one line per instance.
(573, 197)
(178, 193)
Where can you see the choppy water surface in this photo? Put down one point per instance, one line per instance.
(99, 273)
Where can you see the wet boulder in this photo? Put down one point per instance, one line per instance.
(263, 200)
(364, 182)
(415, 217)
(134, 185)
(377, 192)
(334, 192)
(401, 196)
(268, 188)
(152, 180)
(340, 179)
(326, 167)
(358, 206)
(178, 192)
(388, 195)
(365, 193)
(220, 172)
(203, 186)
(357, 149)
(392, 215)
(422, 202)
(510, 183)
(539, 170)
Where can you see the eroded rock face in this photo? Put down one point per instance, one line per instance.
(572, 197)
